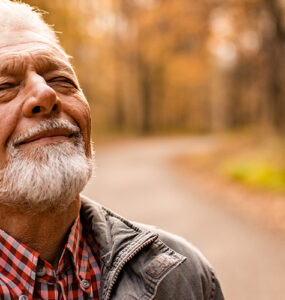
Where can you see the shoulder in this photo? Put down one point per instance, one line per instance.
(195, 277)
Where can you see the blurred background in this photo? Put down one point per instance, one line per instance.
(176, 66)
(188, 108)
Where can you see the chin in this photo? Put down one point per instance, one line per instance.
(47, 178)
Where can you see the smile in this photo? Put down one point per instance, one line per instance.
(48, 136)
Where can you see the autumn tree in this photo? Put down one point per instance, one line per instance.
(172, 65)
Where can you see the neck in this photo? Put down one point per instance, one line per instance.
(46, 232)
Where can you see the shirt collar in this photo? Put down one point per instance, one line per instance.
(77, 247)
(18, 263)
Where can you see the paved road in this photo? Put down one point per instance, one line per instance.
(135, 179)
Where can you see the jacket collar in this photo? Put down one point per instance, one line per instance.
(113, 233)
(120, 241)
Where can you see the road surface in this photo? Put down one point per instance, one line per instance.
(136, 179)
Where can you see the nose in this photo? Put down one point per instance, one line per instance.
(41, 100)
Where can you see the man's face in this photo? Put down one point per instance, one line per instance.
(45, 125)
(37, 83)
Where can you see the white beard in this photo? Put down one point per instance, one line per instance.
(48, 176)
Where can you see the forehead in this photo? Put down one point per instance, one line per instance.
(17, 54)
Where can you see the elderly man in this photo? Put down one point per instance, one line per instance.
(55, 244)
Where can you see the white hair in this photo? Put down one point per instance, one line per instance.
(18, 16)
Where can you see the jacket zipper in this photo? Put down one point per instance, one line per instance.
(127, 259)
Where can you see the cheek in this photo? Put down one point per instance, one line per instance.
(79, 110)
(9, 117)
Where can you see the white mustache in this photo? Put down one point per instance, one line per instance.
(43, 126)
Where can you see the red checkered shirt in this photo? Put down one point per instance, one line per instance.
(24, 275)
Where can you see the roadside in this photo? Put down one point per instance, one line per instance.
(138, 179)
(245, 174)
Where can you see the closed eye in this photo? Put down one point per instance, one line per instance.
(6, 86)
(62, 79)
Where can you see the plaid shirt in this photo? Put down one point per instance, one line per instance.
(24, 275)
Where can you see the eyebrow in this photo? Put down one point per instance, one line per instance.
(42, 63)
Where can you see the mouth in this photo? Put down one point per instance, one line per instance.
(48, 136)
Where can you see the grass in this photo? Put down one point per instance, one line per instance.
(252, 160)
(256, 173)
